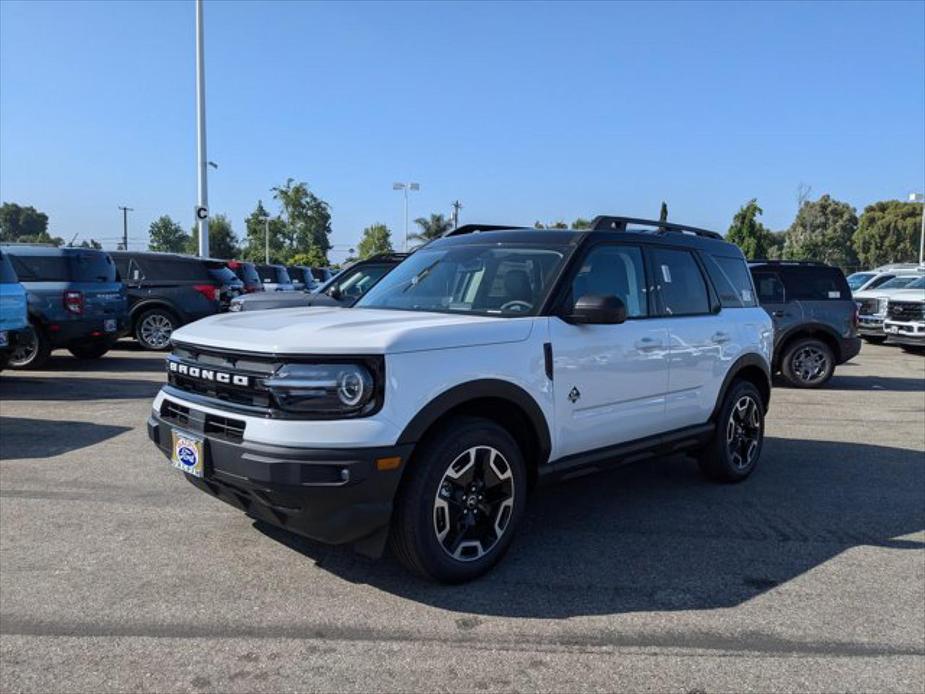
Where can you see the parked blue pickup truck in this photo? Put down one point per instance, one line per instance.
(75, 301)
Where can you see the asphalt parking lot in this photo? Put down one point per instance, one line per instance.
(117, 575)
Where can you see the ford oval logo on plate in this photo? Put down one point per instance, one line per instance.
(187, 453)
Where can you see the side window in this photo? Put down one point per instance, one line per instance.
(770, 288)
(681, 287)
(615, 270)
(731, 279)
(134, 272)
(815, 283)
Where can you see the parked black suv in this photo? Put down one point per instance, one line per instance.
(815, 318)
(165, 291)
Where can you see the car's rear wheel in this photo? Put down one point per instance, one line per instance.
(154, 328)
(32, 350)
(808, 363)
(90, 350)
(460, 502)
(735, 449)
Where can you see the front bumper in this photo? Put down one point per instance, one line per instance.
(902, 333)
(870, 325)
(331, 495)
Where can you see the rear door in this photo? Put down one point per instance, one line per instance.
(610, 381)
(700, 337)
(772, 295)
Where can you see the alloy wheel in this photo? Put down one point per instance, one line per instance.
(156, 330)
(743, 432)
(25, 351)
(474, 503)
(809, 364)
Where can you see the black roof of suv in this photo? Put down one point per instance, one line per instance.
(815, 318)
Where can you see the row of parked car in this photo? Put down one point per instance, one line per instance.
(891, 305)
(83, 300)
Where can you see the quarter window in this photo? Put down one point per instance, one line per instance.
(615, 271)
(681, 287)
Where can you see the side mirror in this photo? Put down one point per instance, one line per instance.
(598, 309)
(335, 293)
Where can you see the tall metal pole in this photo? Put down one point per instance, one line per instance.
(266, 236)
(125, 211)
(922, 237)
(405, 248)
(203, 219)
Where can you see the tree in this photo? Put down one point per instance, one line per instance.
(823, 230)
(166, 235)
(307, 219)
(312, 258)
(581, 223)
(25, 225)
(431, 228)
(376, 239)
(222, 241)
(92, 243)
(255, 228)
(663, 212)
(888, 232)
(748, 233)
(558, 225)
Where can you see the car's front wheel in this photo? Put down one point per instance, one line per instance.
(154, 328)
(733, 453)
(460, 501)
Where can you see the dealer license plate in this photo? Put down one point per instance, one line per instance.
(110, 325)
(188, 453)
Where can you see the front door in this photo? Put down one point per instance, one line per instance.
(610, 381)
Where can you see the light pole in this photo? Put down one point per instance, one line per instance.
(125, 211)
(920, 197)
(405, 187)
(457, 206)
(202, 208)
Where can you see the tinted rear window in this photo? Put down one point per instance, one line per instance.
(271, 273)
(173, 269)
(815, 283)
(246, 272)
(732, 280)
(222, 273)
(70, 267)
(7, 273)
(320, 274)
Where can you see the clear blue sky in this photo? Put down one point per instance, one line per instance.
(522, 111)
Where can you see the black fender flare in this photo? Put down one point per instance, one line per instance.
(138, 308)
(810, 329)
(745, 361)
(475, 390)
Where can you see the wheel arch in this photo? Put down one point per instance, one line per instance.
(142, 306)
(751, 368)
(818, 331)
(503, 402)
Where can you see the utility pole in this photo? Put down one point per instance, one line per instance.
(125, 211)
(457, 206)
(202, 209)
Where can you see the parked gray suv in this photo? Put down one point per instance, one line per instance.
(815, 318)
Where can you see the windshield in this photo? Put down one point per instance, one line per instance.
(493, 280)
(900, 282)
(353, 284)
(858, 278)
(917, 284)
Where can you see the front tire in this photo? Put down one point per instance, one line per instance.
(808, 363)
(154, 328)
(31, 352)
(460, 502)
(735, 449)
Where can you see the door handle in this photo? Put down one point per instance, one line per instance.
(720, 337)
(647, 344)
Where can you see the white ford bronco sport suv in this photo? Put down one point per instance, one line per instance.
(487, 361)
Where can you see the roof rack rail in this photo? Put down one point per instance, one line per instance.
(765, 261)
(605, 222)
(474, 228)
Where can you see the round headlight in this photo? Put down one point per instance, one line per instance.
(354, 386)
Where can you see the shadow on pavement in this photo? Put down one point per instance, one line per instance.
(42, 438)
(27, 385)
(657, 537)
(114, 361)
(897, 384)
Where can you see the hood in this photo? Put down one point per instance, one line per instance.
(880, 293)
(908, 295)
(324, 330)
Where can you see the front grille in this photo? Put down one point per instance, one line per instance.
(906, 310)
(195, 421)
(868, 307)
(188, 366)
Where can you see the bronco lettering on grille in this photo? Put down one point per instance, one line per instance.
(182, 369)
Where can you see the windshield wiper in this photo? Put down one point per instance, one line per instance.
(420, 276)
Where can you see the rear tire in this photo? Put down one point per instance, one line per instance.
(735, 448)
(154, 328)
(460, 502)
(31, 353)
(92, 350)
(808, 363)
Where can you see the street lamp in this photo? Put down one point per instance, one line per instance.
(405, 187)
(920, 197)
